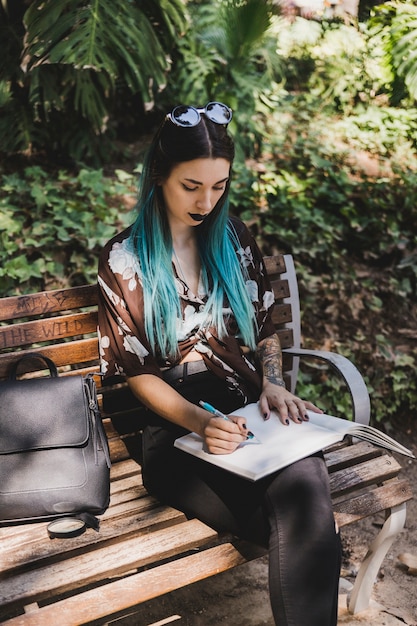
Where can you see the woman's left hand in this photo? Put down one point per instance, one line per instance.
(287, 405)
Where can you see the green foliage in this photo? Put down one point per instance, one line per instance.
(324, 388)
(52, 227)
(74, 65)
(86, 38)
(345, 71)
(295, 41)
(396, 25)
(337, 65)
(394, 390)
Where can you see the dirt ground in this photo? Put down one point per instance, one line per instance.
(240, 597)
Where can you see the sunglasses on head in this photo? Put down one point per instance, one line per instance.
(188, 116)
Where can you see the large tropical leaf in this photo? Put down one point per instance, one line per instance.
(396, 24)
(245, 25)
(103, 42)
(230, 48)
(168, 17)
(239, 32)
(404, 46)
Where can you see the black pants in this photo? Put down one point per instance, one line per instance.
(290, 512)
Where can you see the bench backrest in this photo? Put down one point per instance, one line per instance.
(62, 325)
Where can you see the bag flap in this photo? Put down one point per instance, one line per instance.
(43, 413)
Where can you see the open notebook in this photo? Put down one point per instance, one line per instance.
(281, 445)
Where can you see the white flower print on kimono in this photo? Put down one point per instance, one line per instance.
(268, 300)
(113, 297)
(132, 344)
(246, 256)
(192, 320)
(123, 261)
(253, 290)
(103, 344)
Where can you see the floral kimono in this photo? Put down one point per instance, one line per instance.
(124, 347)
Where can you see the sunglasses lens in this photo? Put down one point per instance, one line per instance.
(185, 116)
(188, 116)
(218, 112)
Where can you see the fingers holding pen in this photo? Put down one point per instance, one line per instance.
(224, 436)
(226, 429)
(223, 433)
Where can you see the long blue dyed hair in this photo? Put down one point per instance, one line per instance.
(217, 241)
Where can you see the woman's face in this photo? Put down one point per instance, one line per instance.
(193, 188)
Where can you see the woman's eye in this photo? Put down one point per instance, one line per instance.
(222, 188)
(189, 188)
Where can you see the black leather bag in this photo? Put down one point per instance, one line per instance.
(54, 457)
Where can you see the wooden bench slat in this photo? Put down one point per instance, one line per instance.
(123, 470)
(109, 561)
(282, 314)
(121, 595)
(46, 302)
(125, 484)
(38, 550)
(14, 536)
(349, 455)
(47, 330)
(386, 496)
(274, 264)
(71, 352)
(285, 337)
(362, 475)
(118, 451)
(126, 495)
(125, 506)
(280, 288)
(109, 428)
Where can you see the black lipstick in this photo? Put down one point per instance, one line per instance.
(197, 217)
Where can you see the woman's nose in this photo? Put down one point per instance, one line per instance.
(204, 201)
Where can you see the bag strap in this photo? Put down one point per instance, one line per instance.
(99, 436)
(34, 355)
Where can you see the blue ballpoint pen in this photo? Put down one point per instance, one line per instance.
(211, 409)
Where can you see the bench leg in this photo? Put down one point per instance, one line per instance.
(360, 596)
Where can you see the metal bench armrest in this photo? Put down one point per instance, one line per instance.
(361, 404)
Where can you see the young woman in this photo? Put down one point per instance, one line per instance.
(185, 315)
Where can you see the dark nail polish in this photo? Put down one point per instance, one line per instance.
(244, 426)
(287, 421)
(306, 418)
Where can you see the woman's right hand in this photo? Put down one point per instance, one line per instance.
(224, 436)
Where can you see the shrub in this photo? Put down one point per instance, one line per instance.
(53, 225)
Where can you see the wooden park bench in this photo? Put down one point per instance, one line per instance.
(143, 549)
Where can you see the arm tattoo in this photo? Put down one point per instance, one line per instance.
(269, 354)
